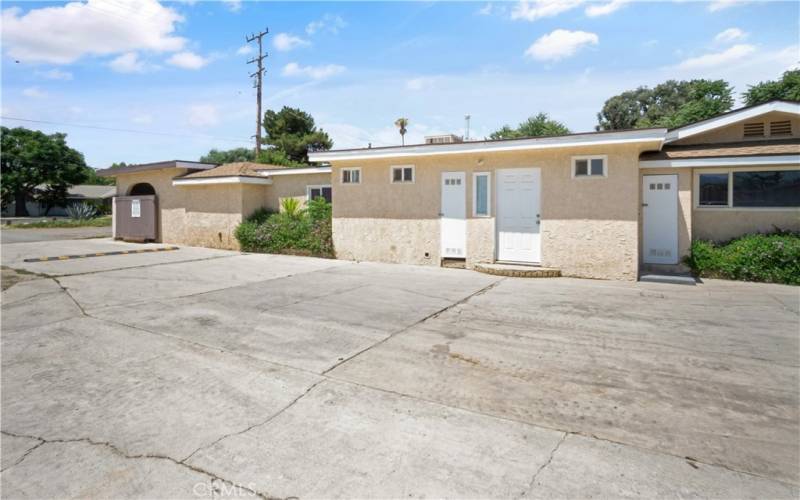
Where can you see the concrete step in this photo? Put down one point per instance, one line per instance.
(675, 279)
(517, 271)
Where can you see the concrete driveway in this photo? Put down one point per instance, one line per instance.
(200, 373)
(10, 235)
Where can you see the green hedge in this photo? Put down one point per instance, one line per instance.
(305, 232)
(772, 258)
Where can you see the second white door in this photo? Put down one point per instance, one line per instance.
(518, 217)
(454, 214)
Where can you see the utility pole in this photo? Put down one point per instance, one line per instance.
(466, 128)
(259, 77)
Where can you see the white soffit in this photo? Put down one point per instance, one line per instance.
(731, 118)
(565, 141)
(233, 179)
(295, 171)
(728, 161)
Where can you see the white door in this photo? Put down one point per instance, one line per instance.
(518, 217)
(454, 214)
(660, 219)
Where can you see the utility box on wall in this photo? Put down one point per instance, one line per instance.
(136, 218)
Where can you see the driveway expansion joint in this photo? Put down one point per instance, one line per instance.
(118, 451)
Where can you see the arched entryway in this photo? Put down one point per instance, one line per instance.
(142, 189)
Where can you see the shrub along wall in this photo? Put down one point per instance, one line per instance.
(772, 258)
(295, 230)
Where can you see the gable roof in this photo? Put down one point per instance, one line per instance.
(725, 150)
(237, 169)
(732, 117)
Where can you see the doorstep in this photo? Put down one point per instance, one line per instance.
(675, 279)
(517, 270)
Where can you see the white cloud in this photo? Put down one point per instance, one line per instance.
(730, 35)
(128, 63)
(62, 34)
(55, 74)
(537, 9)
(603, 9)
(650, 43)
(560, 44)
(420, 83)
(233, 5)
(313, 72)
(34, 92)
(486, 10)
(203, 115)
(285, 42)
(329, 22)
(718, 5)
(715, 59)
(188, 60)
(245, 50)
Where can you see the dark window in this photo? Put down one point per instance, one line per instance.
(402, 174)
(597, 166)
(324, 192)
(581, 167)
(713, 189)
(397, 175)
(775, 188)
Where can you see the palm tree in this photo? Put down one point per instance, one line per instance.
(402, 124)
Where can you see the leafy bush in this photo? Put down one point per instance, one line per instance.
(772, 258)
(294, 231)
(81, 211)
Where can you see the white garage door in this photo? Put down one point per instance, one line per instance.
(518, 193)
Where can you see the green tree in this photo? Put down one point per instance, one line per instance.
(536, 126)
(30, 158)
(95, 180)
(229, 156)
(786, 88)
(669, 104)
(293, 132)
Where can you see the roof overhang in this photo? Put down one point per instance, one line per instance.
(575, 140)
(229, 179)
(726, 161)
(731, 118)
(295, 171)
(131, 169)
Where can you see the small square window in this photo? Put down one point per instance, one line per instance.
(591, 166)
(403, 174)
(351, 176)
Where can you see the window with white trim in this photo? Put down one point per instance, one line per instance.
(402, 174)
(748, 189)
(481, 194)
(314, 192)
(589, 166)
(351, 176)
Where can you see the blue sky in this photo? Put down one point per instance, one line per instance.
(177, 69)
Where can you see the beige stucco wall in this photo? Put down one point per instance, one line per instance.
(589, 226)
(207, 215)
(292, 186)
(734, 133)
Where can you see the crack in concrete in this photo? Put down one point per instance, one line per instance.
(544, 465)
(118, 451)
(433, 315)
(156, 264)
(24, 455)
(66, 291)
(259, 424)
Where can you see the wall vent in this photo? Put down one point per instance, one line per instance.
(754, 129)
(783, 127)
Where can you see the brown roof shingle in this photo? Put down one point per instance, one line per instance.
(238, 169)
(742, 148)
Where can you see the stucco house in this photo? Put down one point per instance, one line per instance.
(598, 205)
(200, 204)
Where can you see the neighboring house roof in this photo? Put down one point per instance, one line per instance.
(741, 148)
(527, 143)
(91, 192)
(195, 165)
(732, 117)
(240, 169)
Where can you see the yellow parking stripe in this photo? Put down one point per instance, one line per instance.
(100, 254)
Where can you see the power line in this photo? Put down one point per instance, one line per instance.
(130, 131)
